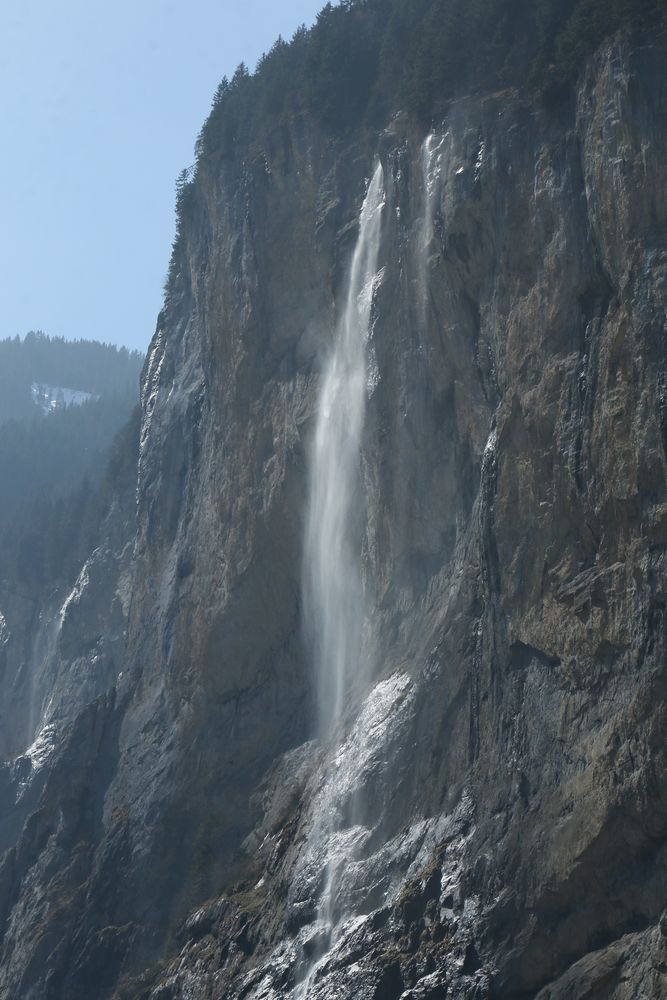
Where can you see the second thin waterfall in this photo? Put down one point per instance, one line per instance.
(333, 595)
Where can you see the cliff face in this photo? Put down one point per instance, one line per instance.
(505, 769)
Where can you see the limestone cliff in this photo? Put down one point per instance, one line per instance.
(507, 761)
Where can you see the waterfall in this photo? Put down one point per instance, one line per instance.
(431, 167)
(334, 602)
(333, 592)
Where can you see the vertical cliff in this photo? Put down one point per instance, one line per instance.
(499, 782)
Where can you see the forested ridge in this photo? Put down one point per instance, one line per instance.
(365, 59)
(57, 469)
(86, 365)
(45, 542)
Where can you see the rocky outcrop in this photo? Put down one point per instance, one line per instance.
(61, 654)
(506, 767)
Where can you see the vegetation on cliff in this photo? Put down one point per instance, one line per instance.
(364, 59)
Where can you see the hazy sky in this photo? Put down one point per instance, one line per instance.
(100, 105)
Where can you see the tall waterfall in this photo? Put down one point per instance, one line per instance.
(334, 601)
(333, 591)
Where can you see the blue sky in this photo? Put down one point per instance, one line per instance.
(100, 106)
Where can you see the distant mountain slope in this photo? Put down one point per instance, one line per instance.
(62, 403)
(81, 365)
(45, 540)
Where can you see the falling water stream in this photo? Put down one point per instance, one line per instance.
(334, 600)
(333, 591)
(431, 166)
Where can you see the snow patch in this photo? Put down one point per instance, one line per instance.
(151, 387)
(42, 748)
(77, 591)
(479, 163)
(51, 398)
(37, 755)
(4, 631)
(490, 446)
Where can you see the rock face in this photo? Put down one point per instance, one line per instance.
(506, 766)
